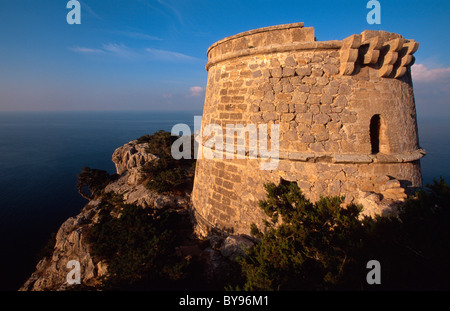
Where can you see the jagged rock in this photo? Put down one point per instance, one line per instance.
(397, 194)
(234, 246)
(51, 272)
(215, 241)
(130, 158)
(384, 202)
(140, 195)
(371, 203)
(392, 183)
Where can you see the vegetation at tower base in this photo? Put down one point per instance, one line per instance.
(324, 246)
(166, 174)
(138, 246)
(309, 249)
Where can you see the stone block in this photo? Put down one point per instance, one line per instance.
(287, 88)
(316, 72)
(322, 118)
(303, 88)
(330, 69)
(277, 88)
(288, 72)
(301, 108)
(340, 101)
(314, 99)
(315, 90)
(291, 135)
(256, 74)
(322, 81)
(267, 107)
(320, 132)
(303, 71)
(282, 107)
(299, 97)
(296, 80)
(345, 89)
(309, 80)
(286, 117)
(307, 139)
(325, 108)
(276, 72)
(314, 109)
(305, 118)
(269, 116)
(290, 62)
(283, 97)
(331, 146)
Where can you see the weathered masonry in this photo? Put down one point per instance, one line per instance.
(346, 115)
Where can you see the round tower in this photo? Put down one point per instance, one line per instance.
(345, 115)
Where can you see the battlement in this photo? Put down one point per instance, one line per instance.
(389, 52)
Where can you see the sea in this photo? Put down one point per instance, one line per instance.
(41, 154)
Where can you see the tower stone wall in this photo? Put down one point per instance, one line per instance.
(346, 116)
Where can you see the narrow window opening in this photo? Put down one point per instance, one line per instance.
(375, 125)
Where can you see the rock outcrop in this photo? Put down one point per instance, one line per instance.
(130, 157)
(71, 244)
(384, 200)
(71, 239)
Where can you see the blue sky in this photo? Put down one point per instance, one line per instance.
(151, 55)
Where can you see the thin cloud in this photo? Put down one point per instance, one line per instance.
(421, 73)
(173, 9)
(148, 54)
(168, 55)
(90, 11)
(120, 50)
(154, 8)
(83, 50)
(431, 90)
(113, 49)
(196, 91)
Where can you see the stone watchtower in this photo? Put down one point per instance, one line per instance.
(345, 111)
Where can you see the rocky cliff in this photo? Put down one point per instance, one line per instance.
(72, 238)
(71, 242)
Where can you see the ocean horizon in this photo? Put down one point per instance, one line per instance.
(41, 154)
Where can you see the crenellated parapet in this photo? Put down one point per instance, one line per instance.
(389, 53)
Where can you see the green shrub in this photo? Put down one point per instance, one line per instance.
(166, 174)
(91, 182)
(323, 246)
(308, 248)
(159, 143)
(167, 180)
(138, 247)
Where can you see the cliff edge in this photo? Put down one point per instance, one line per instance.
(72, 241)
